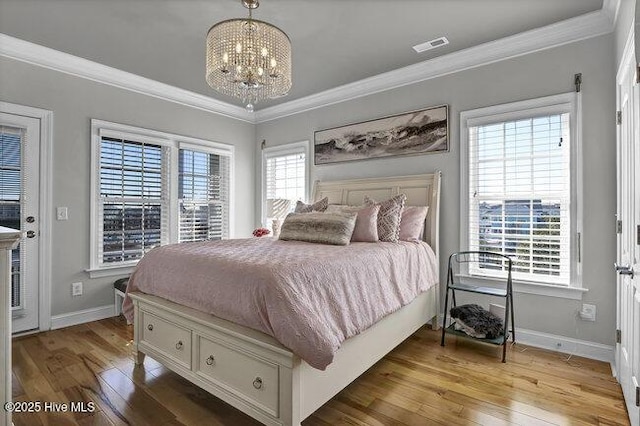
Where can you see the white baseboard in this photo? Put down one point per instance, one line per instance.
(537, 339)
(569, 345)
(556, 343)
(80, 317)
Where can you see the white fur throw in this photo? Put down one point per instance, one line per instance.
(322, 228)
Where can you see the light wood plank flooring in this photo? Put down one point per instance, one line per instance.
(419, 383)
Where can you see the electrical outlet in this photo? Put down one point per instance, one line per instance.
(76, 289)
(588, 312)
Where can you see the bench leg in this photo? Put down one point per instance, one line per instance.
(139, 358)
(117, 304)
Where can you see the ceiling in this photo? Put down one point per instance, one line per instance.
(334, 42)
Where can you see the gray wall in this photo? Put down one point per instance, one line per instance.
(74, 101)
(540, 74)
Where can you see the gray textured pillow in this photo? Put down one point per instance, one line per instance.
(389, 217)
(321, 228)
(318, 206)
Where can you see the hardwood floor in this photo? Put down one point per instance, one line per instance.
(419, 383)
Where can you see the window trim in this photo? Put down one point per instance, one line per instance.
(565, 102)
(173, 143)
(277, 151)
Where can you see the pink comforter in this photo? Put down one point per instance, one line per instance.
(310, 297)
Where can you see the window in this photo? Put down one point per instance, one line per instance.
(285, 177)
(152, 188)
(132, 200)
(11, 141)
(520, 171)
(203, 195)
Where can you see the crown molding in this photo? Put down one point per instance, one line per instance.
(36, 54)
(568, 31)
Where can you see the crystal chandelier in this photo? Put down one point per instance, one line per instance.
(248, 59)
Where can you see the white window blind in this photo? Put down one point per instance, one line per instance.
(10, 165)
(285, 178)
(203, 185)
(133, 198)
(520, 194)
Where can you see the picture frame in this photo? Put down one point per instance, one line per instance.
(424, 131)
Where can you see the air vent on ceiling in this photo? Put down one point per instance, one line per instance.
(432, 44)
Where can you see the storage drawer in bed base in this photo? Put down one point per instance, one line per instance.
(252, 373)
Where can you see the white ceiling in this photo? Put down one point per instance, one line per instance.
(335, 42)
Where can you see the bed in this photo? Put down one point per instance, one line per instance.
(253, 371)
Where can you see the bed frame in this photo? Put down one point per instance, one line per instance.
(254, 372)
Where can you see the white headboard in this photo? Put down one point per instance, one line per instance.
(421, 190)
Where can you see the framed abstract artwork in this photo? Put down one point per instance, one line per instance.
(411, 133)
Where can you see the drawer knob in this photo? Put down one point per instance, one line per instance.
(257, 383)
(179, 345)
(150, 327)
(210, 360)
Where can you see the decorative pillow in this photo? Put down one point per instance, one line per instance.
(318, 206)
(322, 228)
(366, 229)
(412, 222)
(389, 217)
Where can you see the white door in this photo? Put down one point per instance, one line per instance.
(19, 201)
(628, 253)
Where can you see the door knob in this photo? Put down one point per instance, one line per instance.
(30, 219)
(624, 270)
(31, 234)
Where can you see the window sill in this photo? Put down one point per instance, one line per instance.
(110, 271)
(540, 289)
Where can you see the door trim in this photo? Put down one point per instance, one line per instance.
(623, 69)
(46, 204)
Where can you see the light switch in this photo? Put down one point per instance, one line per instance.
(62, 213)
